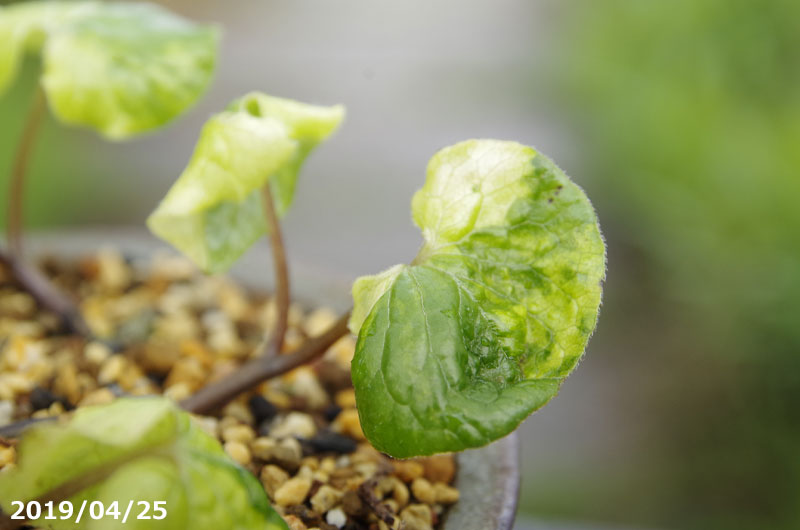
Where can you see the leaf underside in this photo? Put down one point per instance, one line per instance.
(461, 346)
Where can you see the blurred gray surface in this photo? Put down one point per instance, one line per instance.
(415, 76)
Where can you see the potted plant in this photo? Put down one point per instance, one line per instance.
(453, 350)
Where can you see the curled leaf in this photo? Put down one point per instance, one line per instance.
(140, 450)
(307, 125)
(366, 291)
(496, 310)
(119, 68)
(213, 213)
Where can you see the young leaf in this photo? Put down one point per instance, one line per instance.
(139, 449)
(213, 212)
(120, 68)
(458, 348)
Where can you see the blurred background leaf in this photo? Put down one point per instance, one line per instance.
(688, 116)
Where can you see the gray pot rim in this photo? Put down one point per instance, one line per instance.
(488, 478)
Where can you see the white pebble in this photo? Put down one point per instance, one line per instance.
(336, 517)
(294, 424)
(6, 412)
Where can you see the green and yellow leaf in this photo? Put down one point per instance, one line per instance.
(214, 211)
(455, 350)
(140, 450)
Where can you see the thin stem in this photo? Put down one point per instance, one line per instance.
(281, 270)
(244, 378)
(30, 279)
(15, 430)
(262, 368)
(16, 189)
(46, 294)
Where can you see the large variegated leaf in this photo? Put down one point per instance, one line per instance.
(455, 350)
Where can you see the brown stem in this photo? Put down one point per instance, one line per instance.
(46, 294)
(281, 270)
(28, 277)
(269, 365)
(244, 378)
(367, 494)
(16, 188)
(15, 430)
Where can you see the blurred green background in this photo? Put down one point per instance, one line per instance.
(682, 121)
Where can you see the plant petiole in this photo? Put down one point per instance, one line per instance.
(282, 296)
